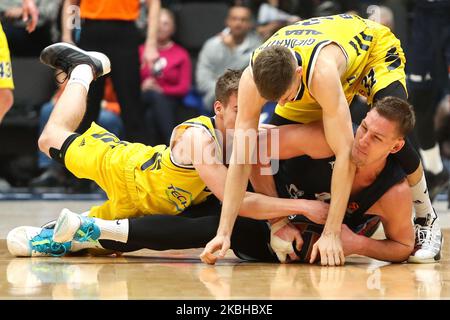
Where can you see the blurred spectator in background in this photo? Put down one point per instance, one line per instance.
(52, 173)
(166, 82)
(383, 15)
(442, 125)
(271, 17)
(230, 49)
(21, 42)
(109, 26)
(326, 8)
(428, 78)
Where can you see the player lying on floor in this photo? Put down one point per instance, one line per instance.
(379, 189)
(380, 194)
(142, 180)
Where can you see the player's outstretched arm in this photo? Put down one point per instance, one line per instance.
(257, 206)
(250, 104)
(395, 209)
(327, 90)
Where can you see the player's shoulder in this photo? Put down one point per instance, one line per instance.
(397, 195)
(330, 57)
(196, 135)
(191, 142)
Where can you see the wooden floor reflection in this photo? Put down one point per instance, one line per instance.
(180, 275)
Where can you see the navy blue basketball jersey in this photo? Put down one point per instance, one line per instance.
(306, 178)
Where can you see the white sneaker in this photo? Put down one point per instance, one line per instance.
(429, 240)
(71, 226)
(35, 242)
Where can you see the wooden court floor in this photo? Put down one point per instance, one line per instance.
(180, 274)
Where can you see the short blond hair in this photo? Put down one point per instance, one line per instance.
(273, 72)
(227, 84)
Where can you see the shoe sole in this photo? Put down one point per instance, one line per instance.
(435, 259)
(416, 260)
(104, 60)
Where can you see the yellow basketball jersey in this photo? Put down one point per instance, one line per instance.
(138, 179)
(6, 78)
(368, 47)
(165, 186)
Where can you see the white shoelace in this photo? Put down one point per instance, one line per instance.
(424, 234)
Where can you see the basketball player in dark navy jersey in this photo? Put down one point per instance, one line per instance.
(379, 194)
(307, 178)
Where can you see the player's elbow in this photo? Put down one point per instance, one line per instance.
(246, 210)
(252, 214)
(403, 253)
(401, 258)
(6, 100)
(247, 214)
(250, 208)
(409, 249)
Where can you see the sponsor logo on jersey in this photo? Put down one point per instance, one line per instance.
(332, 164)
(294, 192)
(300, 32)
(352, 207)
(290, 43)
(323, 196)
(180, 198)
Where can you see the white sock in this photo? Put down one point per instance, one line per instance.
(431, 159)
(77, 246)
(421, 199)
(116, 230)
(81, 74)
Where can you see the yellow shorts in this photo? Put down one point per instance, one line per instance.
(386, 64)
(6, 79)
(100, 156)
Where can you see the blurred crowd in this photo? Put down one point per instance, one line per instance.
(148, 93)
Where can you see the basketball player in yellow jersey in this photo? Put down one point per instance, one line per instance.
(140, 179)
(6, 80)
(313, 69)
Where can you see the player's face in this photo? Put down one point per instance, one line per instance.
(375, 139)
(293, 90)
(230, 112)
